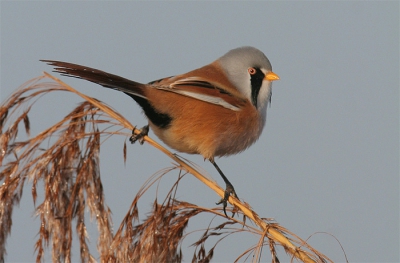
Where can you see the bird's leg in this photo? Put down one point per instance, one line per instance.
(229, 190)
(139, 137)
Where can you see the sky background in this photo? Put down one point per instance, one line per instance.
(328, 159)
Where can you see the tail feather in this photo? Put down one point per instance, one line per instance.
(131, 88)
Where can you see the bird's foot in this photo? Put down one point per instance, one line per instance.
(140, 136)
(229, 190)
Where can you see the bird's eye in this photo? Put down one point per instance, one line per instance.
(251, 71)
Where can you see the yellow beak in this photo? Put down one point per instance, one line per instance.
(271, 76)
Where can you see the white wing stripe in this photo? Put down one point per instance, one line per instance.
(206, 98)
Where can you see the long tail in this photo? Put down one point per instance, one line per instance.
(131, 88)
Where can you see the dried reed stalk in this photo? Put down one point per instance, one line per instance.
(69, 170)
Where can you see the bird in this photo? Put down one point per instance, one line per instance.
(216, 110)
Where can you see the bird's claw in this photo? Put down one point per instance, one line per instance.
(140, 136)
(224, 201)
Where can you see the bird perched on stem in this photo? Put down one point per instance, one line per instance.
(216, 110)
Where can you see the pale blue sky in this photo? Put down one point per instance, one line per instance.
(328, 159)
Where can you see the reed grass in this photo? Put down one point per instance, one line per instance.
(68, 168)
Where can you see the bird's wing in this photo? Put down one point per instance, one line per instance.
(204, 90)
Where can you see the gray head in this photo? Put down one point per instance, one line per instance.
(236, 64)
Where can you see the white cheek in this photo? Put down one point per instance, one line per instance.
(245, 87)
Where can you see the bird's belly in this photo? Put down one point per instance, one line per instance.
(211, 136)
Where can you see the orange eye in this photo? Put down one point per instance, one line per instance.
(251, 71)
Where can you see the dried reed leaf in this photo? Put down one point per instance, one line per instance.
(27, 124)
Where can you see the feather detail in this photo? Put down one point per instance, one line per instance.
(100, 77)
(206, 91)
